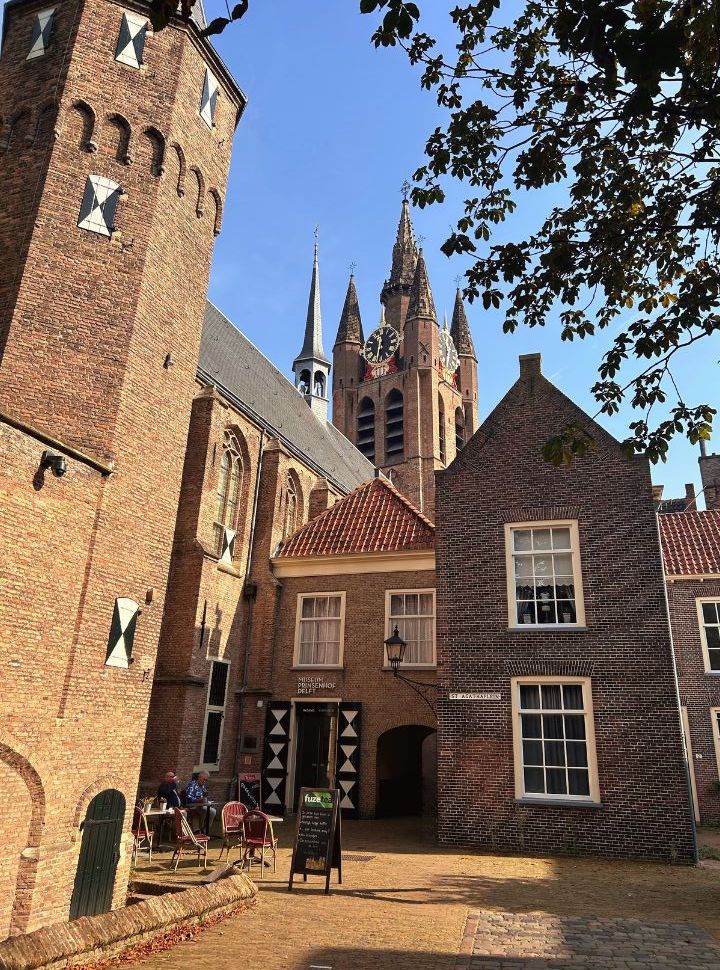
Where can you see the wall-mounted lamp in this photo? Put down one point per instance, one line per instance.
(56, 463)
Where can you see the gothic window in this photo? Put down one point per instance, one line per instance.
(208, 102)
(441, 429)
(41, 33)
(99, 205)
(394, 426)
(122, 633)
(228, 497)
(291, 508)
(131, 40)
(366, 428)
(459, 429)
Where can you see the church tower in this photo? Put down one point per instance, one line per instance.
(406, 395)
(311, 367)
(114, 155)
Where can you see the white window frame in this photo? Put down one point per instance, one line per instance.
(715, 723)
(570, 524)
(586, 683)
(389, 624)
(301, 597)
(703, 638)
(210, 709)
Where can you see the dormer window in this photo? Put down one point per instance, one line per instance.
(41, 33)
(131, 41)
(208, 102)
(99, 205)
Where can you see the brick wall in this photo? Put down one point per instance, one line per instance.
(500, 477)
(86, 323)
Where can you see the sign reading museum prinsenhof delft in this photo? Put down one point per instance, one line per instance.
(317, 836)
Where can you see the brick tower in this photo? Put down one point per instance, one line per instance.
(114, 154)
(407, 397)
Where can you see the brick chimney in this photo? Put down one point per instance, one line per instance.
(321, 498)
(530, 366)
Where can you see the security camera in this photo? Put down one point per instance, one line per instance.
(56, 463)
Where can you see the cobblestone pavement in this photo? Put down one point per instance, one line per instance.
(412, 906)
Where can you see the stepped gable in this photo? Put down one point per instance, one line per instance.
(373, 518)
(690, 542)
(230, 362)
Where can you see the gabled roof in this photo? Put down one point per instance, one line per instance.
(373, 518)
(252, 384)
(690, 543)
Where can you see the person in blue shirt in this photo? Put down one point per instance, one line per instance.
(169, 790)
(196, 795)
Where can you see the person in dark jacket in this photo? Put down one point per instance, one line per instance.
(169, 790)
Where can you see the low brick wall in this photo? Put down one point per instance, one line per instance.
(92, 939)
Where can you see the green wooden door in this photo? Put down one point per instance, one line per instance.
(99, 854)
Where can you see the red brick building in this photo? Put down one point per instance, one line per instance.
(691, 552)
(559, 728)
(115, 152)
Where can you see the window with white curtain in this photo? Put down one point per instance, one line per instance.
(412, 611)
(709, 619)
(320, 628)
(543, 568)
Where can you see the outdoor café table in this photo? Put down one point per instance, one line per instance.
(203, 812)
(160, 814)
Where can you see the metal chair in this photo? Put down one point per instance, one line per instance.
(233, 827)
(186, 838)
(259, 835)
(142, 835)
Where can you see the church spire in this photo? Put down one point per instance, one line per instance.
(404, 255)
(312, 348)
(350, 330)
(421, 299)
(460, 329)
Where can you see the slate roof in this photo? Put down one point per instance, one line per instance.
(373, 518)
(690, 542)
(256, 387)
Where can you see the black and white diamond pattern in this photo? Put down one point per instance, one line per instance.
(208, 102)
(122, 632)
(227, 546)
(131, 41)
(275, 757)
(99, 204)
(348, 757)
(41, 32)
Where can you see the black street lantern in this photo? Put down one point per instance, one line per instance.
(395, 646)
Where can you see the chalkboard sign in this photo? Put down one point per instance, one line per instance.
(316, 850)
(249, 790)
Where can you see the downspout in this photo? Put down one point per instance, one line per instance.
(688, 780)
(249, 593)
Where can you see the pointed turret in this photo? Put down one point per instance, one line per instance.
(350, 330)
(460, 329)
(421, 302)
(311, 367)
(405, 252)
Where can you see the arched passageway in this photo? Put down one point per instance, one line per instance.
(406, 771)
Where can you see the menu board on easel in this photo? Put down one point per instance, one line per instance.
(317, 847)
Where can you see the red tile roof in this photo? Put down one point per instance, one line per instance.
(374, 517)
(690, 542)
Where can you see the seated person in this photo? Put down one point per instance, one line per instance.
(169, 790)
(195, 794)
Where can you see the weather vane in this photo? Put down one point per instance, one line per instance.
(405, 190)
(352, 268)
(458, 281)
(421, 241)
(316, 233)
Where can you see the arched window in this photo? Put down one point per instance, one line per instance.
(319, 384)
(304, 382)
(291, 508)
(441, 429)
(459, 429)
(394, 430)
(228, 493)
(366, 429)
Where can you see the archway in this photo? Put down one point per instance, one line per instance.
(406, 769)
(99, 854)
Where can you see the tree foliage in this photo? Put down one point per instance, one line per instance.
(612, 109)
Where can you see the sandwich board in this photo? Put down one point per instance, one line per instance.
(317, 850)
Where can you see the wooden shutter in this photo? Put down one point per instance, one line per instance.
(348, 758)
(275, 756)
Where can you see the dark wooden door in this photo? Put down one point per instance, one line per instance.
(312, 758)
(99, 854)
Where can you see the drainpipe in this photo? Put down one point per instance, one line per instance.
(249, 593)
(688, 780)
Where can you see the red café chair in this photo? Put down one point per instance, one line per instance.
(185, 838)
(142, 835)
(233, 827)
(259, 836)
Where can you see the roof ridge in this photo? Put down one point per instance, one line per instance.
(405, 501)
(333, 508)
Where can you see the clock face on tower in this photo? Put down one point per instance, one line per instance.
(381, 344)
(448, 354)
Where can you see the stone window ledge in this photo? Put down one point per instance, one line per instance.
(558, 803)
